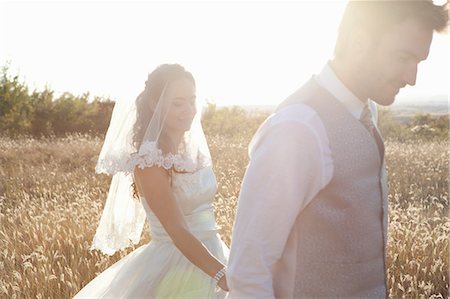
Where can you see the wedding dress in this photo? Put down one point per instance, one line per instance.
(158, 269)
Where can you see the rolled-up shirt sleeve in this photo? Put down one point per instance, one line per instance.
(284, 173)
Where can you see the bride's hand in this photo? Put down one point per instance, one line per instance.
(222, 283)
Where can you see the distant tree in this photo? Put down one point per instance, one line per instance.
(69, 114)
(41, 118)
(40, 114)
(99, 114)
(15, 106)
(230, 121)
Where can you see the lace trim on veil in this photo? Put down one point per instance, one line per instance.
(149, 155)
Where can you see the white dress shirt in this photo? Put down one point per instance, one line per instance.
(290, 162)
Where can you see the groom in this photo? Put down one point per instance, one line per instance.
(312, 213)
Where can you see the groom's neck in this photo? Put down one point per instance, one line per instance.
(350, 77)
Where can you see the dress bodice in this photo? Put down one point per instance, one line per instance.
(159, 269)
(194, 193)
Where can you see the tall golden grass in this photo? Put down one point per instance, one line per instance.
(51, 199)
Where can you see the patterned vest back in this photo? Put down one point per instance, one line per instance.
(342, 233)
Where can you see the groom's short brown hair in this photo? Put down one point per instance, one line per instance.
(377, 17)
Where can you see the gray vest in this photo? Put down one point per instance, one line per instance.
(342, 233)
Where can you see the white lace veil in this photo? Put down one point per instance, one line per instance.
(137, 137)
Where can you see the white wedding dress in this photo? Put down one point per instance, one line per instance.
(158, 269)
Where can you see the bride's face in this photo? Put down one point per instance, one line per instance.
(180, 105)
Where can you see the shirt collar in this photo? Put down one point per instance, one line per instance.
(329, 80)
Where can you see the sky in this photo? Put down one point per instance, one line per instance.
(241, 53)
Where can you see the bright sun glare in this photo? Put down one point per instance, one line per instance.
(244, 53)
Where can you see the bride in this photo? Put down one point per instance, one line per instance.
(156, 151)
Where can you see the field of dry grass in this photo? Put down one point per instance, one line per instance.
(50, 200)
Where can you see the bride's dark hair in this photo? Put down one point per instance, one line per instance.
(148, 99)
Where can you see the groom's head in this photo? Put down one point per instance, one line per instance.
(380, 44)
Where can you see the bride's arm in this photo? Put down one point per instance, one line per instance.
(154, 183)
